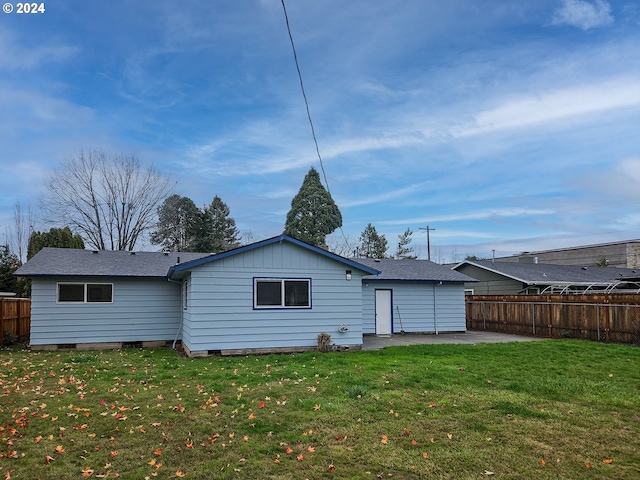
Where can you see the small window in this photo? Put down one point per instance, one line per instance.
(71, 292)
(85, 292)
(282, 293)
(99, 292)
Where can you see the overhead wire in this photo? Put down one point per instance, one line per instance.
(306, 103)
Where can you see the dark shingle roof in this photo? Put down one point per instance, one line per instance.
(547, 274)
(415, 270)
(74, 262)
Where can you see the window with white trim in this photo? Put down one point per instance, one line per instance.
(281, 293)
(85, 292)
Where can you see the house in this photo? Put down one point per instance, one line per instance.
(415, 296)
(505, 278)
(275, 295)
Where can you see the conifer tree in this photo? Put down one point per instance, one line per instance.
(404, 251)
(313, 214)
(55, 237)
(372, 244)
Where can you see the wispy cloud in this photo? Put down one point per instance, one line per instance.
(21, 53)
(584, 14)
(466, 216)
(551, 106)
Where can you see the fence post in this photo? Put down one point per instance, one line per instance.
(598, 320)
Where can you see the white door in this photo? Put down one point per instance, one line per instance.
(383, 312)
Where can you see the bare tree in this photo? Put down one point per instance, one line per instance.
(19, 236)
(343, 245)
(110, 200)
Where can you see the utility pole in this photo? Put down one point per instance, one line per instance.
(428, 241)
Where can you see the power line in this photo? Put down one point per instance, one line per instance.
(306, 103)
(304, 95)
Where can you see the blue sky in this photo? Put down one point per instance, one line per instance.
(505, 125)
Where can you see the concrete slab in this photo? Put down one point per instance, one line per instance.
(375, 342)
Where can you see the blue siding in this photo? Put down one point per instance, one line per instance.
(142, 310)
(221, 316)
(415, 300)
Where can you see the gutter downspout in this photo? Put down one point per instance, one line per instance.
(435, 309)
(175, 340)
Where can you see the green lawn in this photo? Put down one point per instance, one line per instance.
(549, 409)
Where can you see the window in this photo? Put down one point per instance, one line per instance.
(281, 293)
(85, 292)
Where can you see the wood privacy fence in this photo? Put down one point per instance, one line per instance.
(15, 317)
(603, 317)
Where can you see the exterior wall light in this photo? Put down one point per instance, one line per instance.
(348, 272)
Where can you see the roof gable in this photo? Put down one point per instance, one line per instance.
(176, 269)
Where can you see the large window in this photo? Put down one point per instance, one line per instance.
(281, 293)
(85, 292)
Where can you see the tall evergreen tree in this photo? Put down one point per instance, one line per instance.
(404, 251)
(176, 227)
(372, 244)
(216, 231)
(55, 237)
(313, 214)
(9, 263)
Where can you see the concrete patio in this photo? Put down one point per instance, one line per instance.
(375, 342)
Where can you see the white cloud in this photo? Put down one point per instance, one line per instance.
(556, 105)
(584, 14)
(620, 181)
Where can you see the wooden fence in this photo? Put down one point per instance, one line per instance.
(15, 317)
(610, 317)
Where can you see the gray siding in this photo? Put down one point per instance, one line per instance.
(490, 283)
(415, 300)
(220, 314)
(142, 310)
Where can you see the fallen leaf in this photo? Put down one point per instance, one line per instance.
(542, 462)
(608, 460)
(59, 449)
(313, 449)
(384, 439)
(332, 468)
(425, 455)
(487, 472)
(450, 436)
(588, 465)
(406, 432)
(316, 407)
(413, 442)
(49, 458)
(300, 457)
(179, 474)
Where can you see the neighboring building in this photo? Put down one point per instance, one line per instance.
(505, 278)
(273, 295)
(625, 254)
(412, 296)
